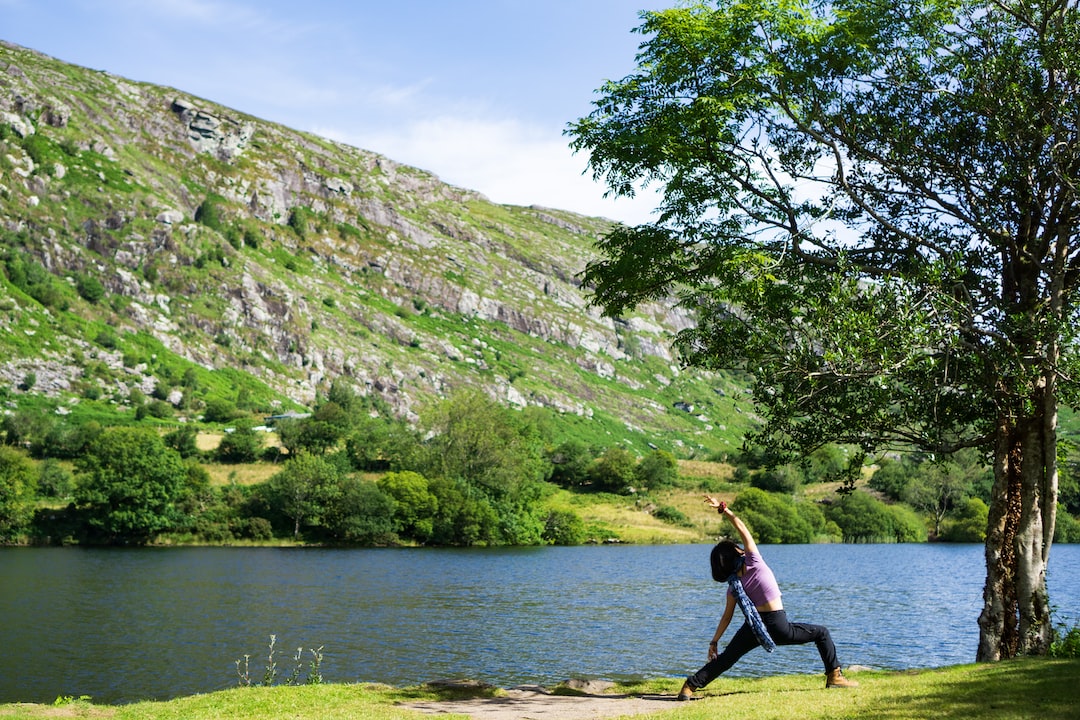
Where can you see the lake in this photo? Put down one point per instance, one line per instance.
(121, 625)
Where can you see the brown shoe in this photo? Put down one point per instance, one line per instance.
(835, 679)
(687, 692)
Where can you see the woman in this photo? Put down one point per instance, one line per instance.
(766, 622)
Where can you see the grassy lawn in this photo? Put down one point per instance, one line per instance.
(1020, 689)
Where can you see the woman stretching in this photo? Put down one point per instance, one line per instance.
(752, 586)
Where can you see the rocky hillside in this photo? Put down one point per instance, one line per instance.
(156, 241)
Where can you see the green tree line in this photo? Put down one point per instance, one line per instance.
(471, 473)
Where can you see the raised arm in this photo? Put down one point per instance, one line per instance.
(740, 527)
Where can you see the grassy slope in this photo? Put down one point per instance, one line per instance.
(1029, 688)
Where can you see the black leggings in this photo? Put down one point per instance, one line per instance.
(781, 631)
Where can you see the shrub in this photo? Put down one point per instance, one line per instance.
(299, 218)
(1066, 642)
(862, 518)
(18, 488)
(209, 212)
(89, 288)
(657, 469)
(1067, 528)
(968, 524)
(772, 518)
(564, 527)
(784, 479)
(672, 516)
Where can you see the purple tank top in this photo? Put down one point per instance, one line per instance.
(758, 581)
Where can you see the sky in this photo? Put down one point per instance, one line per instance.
(478, 92)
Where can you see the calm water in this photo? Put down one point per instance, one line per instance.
(124, 625)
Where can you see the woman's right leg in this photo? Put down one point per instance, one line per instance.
(743, 642)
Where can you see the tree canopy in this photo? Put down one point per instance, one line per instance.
(871, 208)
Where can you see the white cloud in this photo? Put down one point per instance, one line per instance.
(507, 161)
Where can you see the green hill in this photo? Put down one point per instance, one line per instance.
(157, 245)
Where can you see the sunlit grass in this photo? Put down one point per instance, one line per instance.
(1013, 690)
(240, 474)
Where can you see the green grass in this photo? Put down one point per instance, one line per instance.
(1028, 688)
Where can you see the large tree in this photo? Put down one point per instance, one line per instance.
(129, 485)
(871, 207)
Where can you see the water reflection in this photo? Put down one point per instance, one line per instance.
(123, 625)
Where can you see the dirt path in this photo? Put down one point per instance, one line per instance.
(536, 703)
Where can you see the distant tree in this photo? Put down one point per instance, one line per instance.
(361, 513)
(220, 410)
(936, 489)
(343, 394)
(570, 462)
(304, 489)
(892, 476)
(613, 471)
(488, 446)
(54, 480)
(465, 518)
(184, 440)
(783, 479)
(128, 485)
(24, 426)
(658, 469)
(773, 518)
(416, 506)
(242, 445)
(65, 440)
(18, 491)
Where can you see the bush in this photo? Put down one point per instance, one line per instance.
(656, 470)
(863, 518)
(209, 212)
(1066, 642)
(672, 516)
(773, 518)
(89, 288)
(564, 527)
(18, 488)
(968, 524)
(1067, 528)
(242, 445)
(299, 218)
(784, 479)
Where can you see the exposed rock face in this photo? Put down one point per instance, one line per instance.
(208, 133)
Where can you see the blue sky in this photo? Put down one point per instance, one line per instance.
(476, 91)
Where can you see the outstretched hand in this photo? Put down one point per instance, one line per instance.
(720, 505)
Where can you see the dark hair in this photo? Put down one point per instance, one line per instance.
(725, 560)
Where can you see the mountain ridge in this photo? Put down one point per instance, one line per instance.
(239, 248)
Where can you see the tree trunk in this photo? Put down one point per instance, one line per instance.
(1015, 619)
